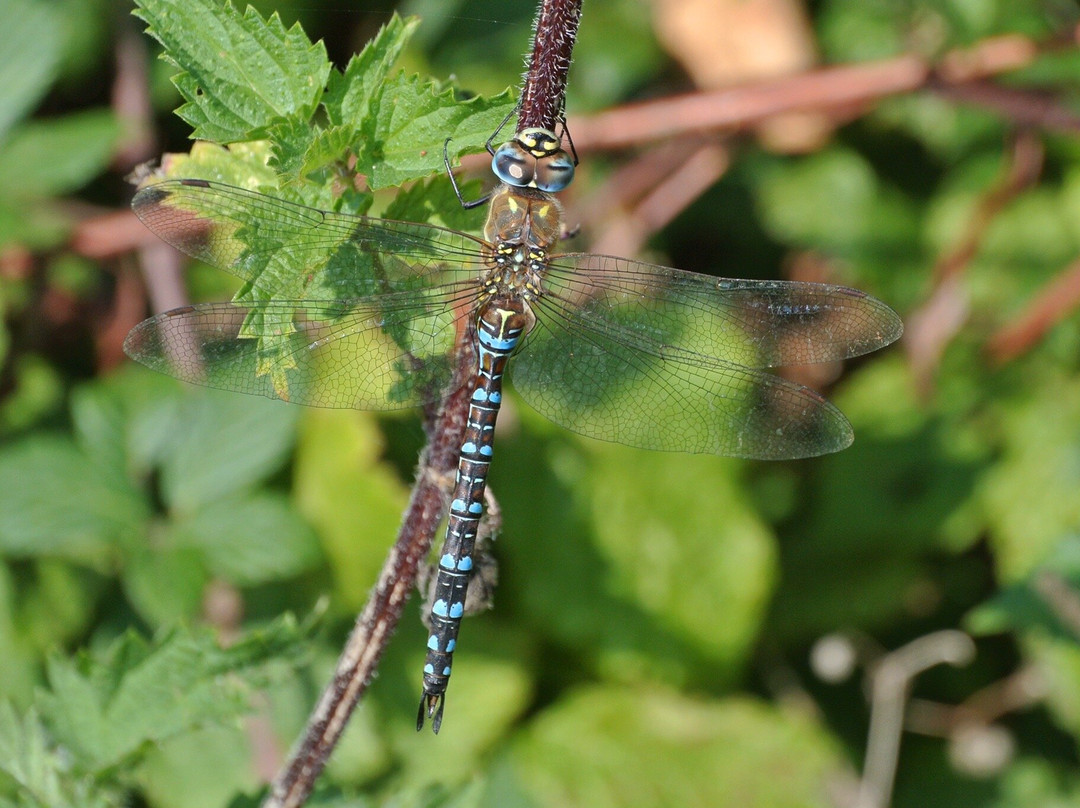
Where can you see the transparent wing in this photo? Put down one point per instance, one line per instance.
(293, 252)
(370, 354)
(663, 359)
(759, 324)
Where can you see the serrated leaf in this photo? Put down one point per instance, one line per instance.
(433, 200)
(242, 164)
(413, 119)
(30, 47)
(51, 157)
(56, 502)
(104, 709)
(42, 774)
(301, 150)
(350, 96)
(240, 73)
(615, 747)
(251, 540)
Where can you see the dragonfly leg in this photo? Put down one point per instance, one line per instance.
(468, 205)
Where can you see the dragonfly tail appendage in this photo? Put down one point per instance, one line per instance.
(431, 706)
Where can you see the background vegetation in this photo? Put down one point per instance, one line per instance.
(668, 630)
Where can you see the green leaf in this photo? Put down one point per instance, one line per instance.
(241, 164)
(662, 544)
(413, 120)
(302, 150)
(434, 200)
(352, 498)
(226, 443)
(52, 157)
(834, 201)
(350, 96)
(1029, 497)
(18, 663)
(493, 687)
(206, 767)
(105, 709)
(659, 516)
(252, 540)
(1035, 604)
(42, 774)
(240, 73)
(165, 584)
(616, 747)
(30, 44)
(57, 503)
(125, 421)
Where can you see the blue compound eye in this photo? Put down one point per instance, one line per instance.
(554, 172)
(514, 165)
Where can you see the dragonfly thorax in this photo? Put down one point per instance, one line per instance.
(520, 216)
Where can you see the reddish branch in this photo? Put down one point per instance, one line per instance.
(932, 326)
(1058, 300)
(543, 93)
(960, 75)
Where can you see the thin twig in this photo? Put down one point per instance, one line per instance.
(891, 684)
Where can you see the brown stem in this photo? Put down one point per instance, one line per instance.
(380, 616)
(544, 91)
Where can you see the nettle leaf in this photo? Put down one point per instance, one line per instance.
(350, 96)
(105, 709)
(240, 73)
(42, 775)
(398, 124)
(434, 200)
(302, 150)
(412, 122)
(242, 164)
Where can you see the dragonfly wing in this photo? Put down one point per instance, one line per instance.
(327, 354)
(294, 252)
(759, 324)
(600, 378)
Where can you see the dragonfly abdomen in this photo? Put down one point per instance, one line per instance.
(500, 325)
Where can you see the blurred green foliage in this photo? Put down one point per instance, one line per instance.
(655, 614)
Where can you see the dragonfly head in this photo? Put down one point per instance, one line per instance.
(534, 159)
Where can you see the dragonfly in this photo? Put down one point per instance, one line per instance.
(341, 310)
